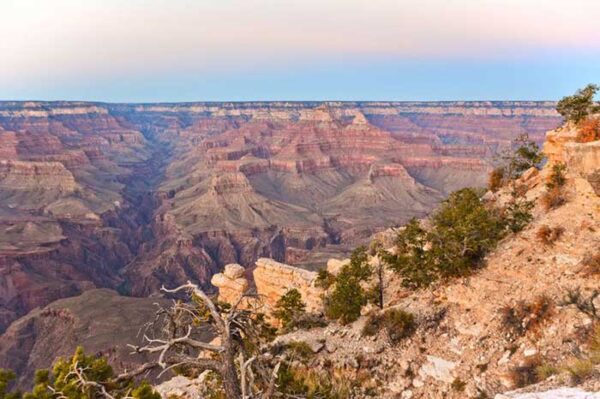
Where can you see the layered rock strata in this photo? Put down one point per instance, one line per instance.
(134, 196)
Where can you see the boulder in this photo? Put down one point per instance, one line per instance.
(234, 271)
(438, 369)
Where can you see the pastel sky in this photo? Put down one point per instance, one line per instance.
(217, 50)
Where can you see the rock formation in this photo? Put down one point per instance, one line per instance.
(272, 280)
(583, 159)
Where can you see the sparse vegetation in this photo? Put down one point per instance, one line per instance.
(517, 214)
(525, 373)
(555, 195)
(545, 370)
(463, 231)
(397, 323)
(324, 279)
(589, 130)
(458, 385)
(6, 378)
(594, 344)
(526, 154)
(526, 316)
(578, 106)
(591, 264)
(411, 259)
(84, 376)
(310, 383)
(557, 176)
(522, 155)
(549, 235)
(496, 179)
(553, 198)
(579, 369)
(289, 309)
(584, 304)
(299, 350)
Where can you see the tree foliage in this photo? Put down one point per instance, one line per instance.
(463, 230)
(577, 107)
(348, 296)
(526, 155)
(522, 155)
(557, 176)
(410, 258)
(80, 377)
(6, 378)
(289, 308)
(517, 214)
(555, 193)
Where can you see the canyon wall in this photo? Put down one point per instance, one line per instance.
(133, 196)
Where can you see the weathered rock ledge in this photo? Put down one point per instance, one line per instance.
(272, 280)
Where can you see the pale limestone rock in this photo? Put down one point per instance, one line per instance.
(335, 265)
(230, 289)
(489, 196)
(408, 394)
(369, 309)
(234, 271)
(582, 159)
(560, 393)
(274, 279)
(530, 177)
(183, 387)
(438, 369)
(359, 119)
(530, 352)
(555, 141)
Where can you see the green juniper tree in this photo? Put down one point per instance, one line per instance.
(577, 107)
(348, 296)
(289, 308)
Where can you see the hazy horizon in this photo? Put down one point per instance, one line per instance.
(266, 101)
(263, 50)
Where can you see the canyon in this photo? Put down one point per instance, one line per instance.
(133, 196)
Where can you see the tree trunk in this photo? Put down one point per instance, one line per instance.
(231, 384)
(380, 288)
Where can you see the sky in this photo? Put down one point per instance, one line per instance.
(239, 50)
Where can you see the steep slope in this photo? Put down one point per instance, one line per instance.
(99, 320)
(463, 346)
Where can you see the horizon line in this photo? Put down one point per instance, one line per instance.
(3, 101)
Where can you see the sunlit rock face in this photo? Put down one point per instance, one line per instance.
(132, 196)
(581, 159)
